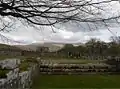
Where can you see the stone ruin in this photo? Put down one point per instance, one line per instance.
(15, 78)
(48, 67)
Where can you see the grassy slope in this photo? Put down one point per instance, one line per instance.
(7, 47)
(77, 81)
(77, 61)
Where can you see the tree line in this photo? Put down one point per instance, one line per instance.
(93, 49)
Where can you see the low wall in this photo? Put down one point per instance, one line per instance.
(20, 80)
(49, 67)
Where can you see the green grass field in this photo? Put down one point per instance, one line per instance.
(78, 61)
(76, 81)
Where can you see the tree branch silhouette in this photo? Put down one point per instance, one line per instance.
(50, 12)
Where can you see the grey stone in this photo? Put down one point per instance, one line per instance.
(18, 80)
(10, 63)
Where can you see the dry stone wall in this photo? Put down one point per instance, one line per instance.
(16, 79)
(49, 67)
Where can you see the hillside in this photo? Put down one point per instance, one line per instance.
(5, 46)
(52, 47)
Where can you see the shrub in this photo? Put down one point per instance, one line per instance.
(3, 73)
(24, 66)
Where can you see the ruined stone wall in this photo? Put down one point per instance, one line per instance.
(49, 67)
(16, 80)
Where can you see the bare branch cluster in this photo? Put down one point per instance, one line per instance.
(50, 12)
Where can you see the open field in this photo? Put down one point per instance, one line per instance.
(77, 61)
(76, 81)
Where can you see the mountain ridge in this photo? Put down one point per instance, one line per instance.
(53, 46)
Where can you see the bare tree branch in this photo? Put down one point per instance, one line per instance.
(50, 12)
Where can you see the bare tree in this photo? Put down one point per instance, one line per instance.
(115, 39)
(50, 12)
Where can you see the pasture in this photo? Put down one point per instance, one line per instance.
(77, 61)
(76, 81)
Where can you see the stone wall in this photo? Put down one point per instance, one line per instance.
(19, 80)
(48, 67)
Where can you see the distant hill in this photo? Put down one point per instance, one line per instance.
(33, 46)
(53, 46)
(5, 46)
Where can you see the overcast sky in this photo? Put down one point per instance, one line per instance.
(72, 32)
